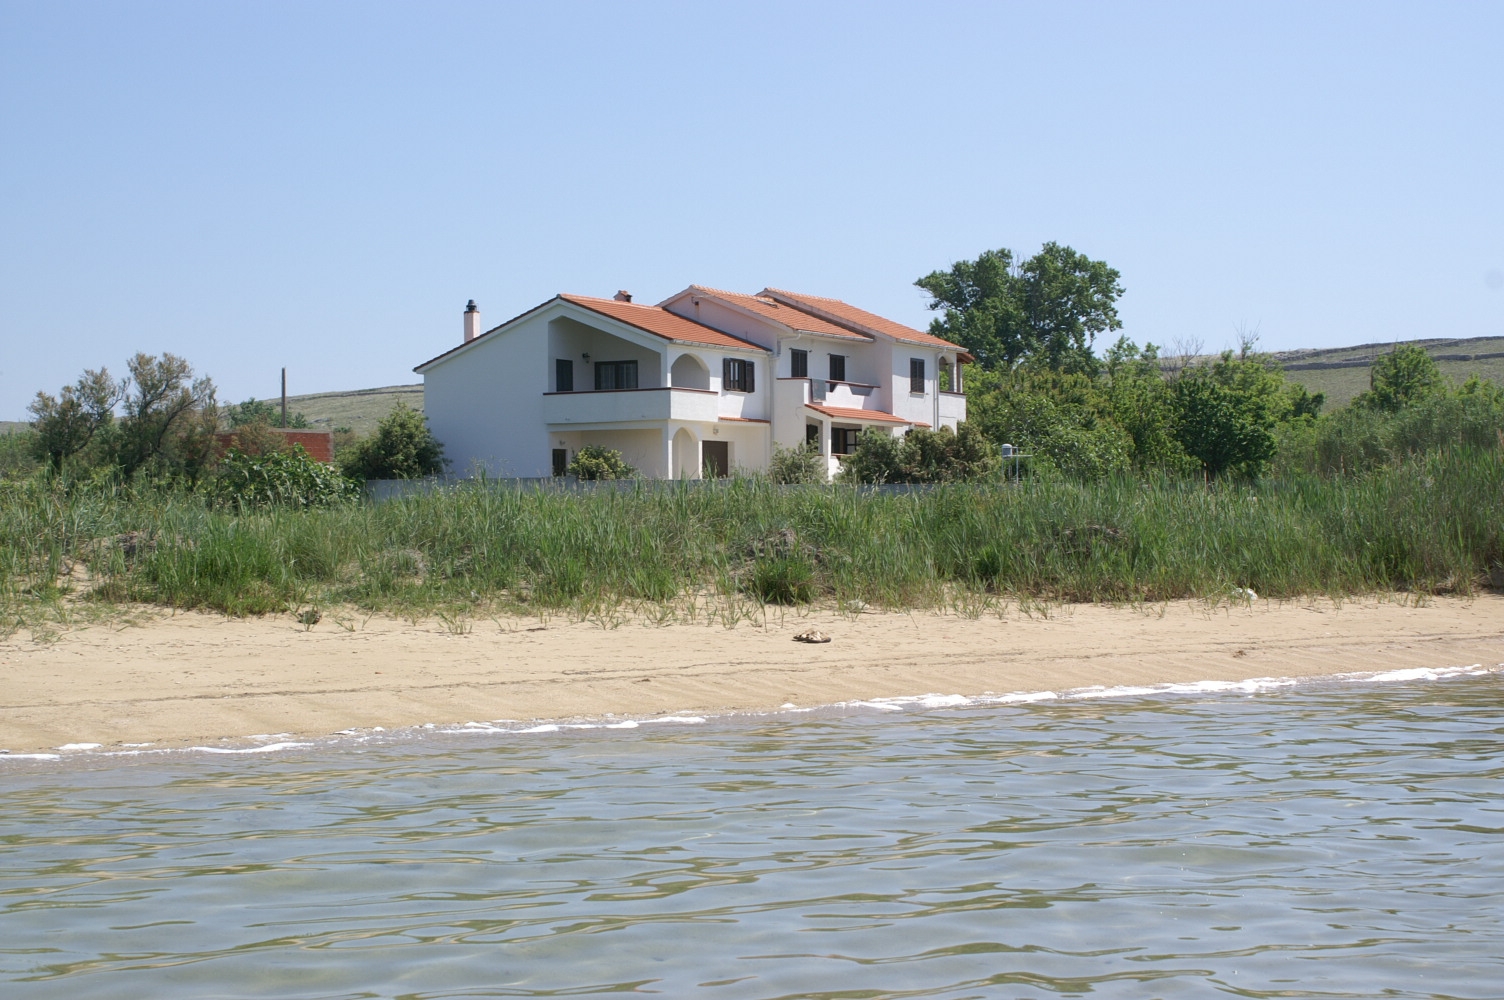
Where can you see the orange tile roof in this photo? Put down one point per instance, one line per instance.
(848, 413)
(660, 322)
(790, 317)
(861, 318)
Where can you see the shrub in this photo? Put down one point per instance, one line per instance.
(278, 479)
(921, 456)
(803, 464)
(782, 580)
(597, 462)
(402, 448)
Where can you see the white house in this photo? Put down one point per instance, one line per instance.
(702, 383)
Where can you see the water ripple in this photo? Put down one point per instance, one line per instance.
(1337, 840)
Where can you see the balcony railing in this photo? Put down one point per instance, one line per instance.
(618, 406)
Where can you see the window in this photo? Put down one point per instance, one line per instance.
(838, 367)
(799, 364)
(843, 440)
(616, 374)
(812, 436)
(561, 460)
(736, 375)
(916, 375)
(563, 375)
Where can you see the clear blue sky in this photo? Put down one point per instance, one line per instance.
(323, 185)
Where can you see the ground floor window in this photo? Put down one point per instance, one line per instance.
(843, 440)
(615, 375)
(561, 461)
(812, 435)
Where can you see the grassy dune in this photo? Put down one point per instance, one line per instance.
(1435, 525)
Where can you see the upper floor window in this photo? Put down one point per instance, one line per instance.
(737, 375)
(798, 363)
(563, 375)
(616, 374)
(838, 367)
(916, 375)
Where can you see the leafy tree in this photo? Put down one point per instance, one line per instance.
(1049, 307)
(803, 464)
(597, 462)
(1139, 401)
(1404, 376)
(402, 448)
(1062, 421)
(169, 418)
(66, 423)
(921, 456)
(1226, 414)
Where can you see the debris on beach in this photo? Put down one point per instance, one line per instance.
(310, 618)
(812, 635)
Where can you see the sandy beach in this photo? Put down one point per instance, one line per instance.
(187, 679)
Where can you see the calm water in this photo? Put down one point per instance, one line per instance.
(1333, 840)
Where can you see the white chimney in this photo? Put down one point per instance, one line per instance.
(472, 322)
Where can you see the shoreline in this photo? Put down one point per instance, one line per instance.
(187, 679)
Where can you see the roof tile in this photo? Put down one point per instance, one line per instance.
(661, 323)
(850, 314)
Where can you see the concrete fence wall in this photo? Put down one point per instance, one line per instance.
(381, 490)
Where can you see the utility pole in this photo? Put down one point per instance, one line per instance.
(284, 397)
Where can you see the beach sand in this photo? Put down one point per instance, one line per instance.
(188, 679)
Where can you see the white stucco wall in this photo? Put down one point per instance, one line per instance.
(485, 404)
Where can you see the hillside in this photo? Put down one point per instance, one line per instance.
(359, 409)
(1342, 372)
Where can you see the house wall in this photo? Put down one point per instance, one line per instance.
(918, 407)
(725, 319)
(486, 403)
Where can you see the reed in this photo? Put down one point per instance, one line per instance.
(1434, 524)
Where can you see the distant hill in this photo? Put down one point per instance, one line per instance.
(1342, 372)
(359, 409)
(1339, 372)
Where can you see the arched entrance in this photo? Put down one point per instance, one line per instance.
(686, 453)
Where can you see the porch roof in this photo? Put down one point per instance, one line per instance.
(862, 416)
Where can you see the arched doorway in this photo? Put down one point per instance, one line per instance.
(689, 372)
(686, 457)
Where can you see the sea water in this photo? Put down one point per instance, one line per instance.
(1324, 839)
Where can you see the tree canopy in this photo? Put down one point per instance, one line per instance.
(1050, 307)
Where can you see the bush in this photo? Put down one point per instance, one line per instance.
(278, 479)
(921, 456)
(402, 448)
(803, 464)
(596, 462)
(782, 580)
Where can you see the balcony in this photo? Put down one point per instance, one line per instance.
(952, 407)
(628, 406)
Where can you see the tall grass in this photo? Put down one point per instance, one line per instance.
(1433, 524)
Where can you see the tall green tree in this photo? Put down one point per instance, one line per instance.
(1226, 413)
(169, 418)
(65, 424)
(1404, 376)
(1050, 307)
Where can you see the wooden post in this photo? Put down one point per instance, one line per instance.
(284, 397)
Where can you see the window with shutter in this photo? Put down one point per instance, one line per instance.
(838, 368)
(916, 375)
(798, 364)
(737, 375)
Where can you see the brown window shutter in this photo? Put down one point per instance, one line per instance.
(725, 372)
(751, 382)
